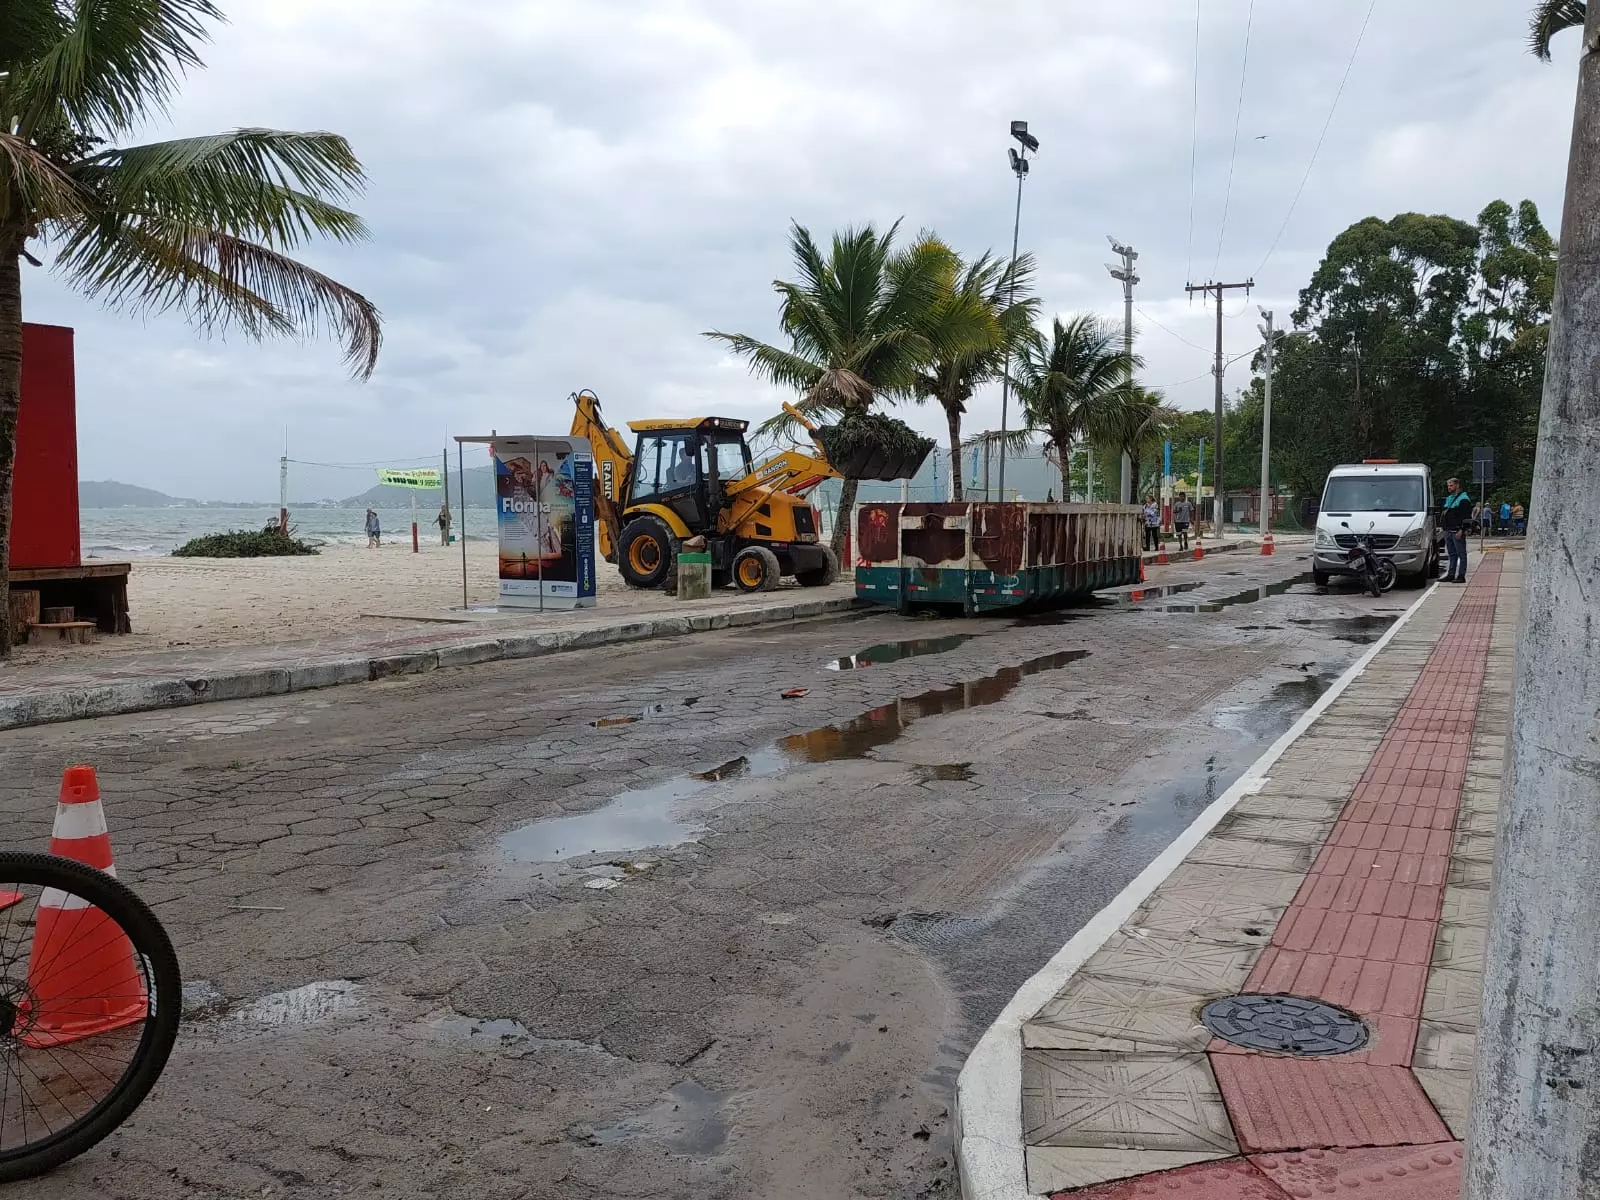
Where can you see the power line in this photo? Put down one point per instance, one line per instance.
(1173, 333)
(1227, 196)
(1333, 108)
(1194, 142)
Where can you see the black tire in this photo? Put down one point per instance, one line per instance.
(164, 987)
(720, 578)
(1320, 578)
(756, 569)
(1385, 575)
(647, 555)
(820, 576)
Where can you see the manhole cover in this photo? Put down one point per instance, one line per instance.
(1284, 1024)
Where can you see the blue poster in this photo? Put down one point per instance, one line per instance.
(544, 501)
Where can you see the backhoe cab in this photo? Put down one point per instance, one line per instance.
(694, 478)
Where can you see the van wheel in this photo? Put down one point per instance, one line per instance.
(1320, 578)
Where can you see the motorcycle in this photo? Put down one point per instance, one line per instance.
(1376, 572)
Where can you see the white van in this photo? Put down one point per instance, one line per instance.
(1391, 500)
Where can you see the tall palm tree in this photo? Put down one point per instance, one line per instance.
(200, 225)
(987, 296)
(1136, 418)
(859, 328)
(1071, 382)
(1549, 19)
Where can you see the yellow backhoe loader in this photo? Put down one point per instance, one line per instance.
(693, 478)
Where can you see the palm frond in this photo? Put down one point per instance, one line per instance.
(781, 367)
(112, 63)
(266, 184)
(31, 185)
(218, 281)
(1550, 17)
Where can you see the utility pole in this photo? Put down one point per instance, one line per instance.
(1218, 290)
(1536, 1095)
(1266, 432)
(1126, 274)
(1019, 167)
(283, 486)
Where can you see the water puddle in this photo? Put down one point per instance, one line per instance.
(1255, 595)
(499, 1031)
(688, 1120)
(644, 817)
(653, 710)
(298, 1006)
(1361, 631)
(1277, 710)
(945, 772)
(888, 652)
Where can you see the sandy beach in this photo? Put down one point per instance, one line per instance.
(209, 602)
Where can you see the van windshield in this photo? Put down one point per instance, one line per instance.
(1373, 493)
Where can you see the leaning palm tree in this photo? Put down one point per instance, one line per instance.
(988, 297)
(200, 225)
(1071, 382)
(1549, 19)
(1136, 418)
(858, 326)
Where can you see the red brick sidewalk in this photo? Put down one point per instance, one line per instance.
(1360, 934)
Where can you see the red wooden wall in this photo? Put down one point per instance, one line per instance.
(44, 519)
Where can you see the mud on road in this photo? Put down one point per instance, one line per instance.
(630, 923)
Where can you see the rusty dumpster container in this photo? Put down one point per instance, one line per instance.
(986, 557)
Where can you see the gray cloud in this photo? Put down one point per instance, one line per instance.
(566, 195)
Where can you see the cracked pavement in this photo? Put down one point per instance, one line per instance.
(775, 1006)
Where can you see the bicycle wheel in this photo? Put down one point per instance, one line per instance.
(90, 998)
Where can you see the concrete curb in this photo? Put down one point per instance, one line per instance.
(144, 695)
(987, 1111)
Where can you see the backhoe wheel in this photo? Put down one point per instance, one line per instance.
(820, 576)
(647, 553)
(756, 570)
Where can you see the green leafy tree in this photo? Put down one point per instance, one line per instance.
(990, 300)
(1071, 382)
(202, 225)
(1135, 422)
(859, 328)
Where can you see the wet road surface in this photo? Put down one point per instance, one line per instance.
(630, 923)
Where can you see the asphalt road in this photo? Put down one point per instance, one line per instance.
(480, 934)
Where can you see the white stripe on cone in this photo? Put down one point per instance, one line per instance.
(68, 901)
(74, 821)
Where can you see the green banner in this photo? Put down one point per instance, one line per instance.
(408, 479)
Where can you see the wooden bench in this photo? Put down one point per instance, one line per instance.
(42, 632)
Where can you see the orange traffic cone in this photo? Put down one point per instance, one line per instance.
(1161, 555)
(83, 978)
(1266, 544)
(1199, 551)
(1141, 569)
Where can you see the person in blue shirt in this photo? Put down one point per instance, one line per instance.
(1505, 516)
(1457, 508)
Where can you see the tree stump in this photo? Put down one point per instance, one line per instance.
(23, 608)
(57, 616)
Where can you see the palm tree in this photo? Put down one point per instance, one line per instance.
(1549, 19)
(987, 295)
(859, 329)
(1136, 418)
(1071, 382)
(200, 225)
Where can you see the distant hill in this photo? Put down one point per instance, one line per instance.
(108, 493)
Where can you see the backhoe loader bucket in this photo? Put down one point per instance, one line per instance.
(871, 462)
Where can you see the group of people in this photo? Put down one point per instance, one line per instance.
(1182, 519)
(1508, 518)
(1458, 520)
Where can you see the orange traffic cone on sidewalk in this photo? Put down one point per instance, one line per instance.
(1161, 555)
(1266, 544)
(1199, 550)
(83, 978)
(1141, 569)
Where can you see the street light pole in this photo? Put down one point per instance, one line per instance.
(1266, 432)
(1125, 273)
(1019, 167)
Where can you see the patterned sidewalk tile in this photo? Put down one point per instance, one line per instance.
(1123, 1102)
(1181, 962)
(1444, 1047)
(1397, 1173)
(1233, 1179)
(1113, 1014)
(1055, 1168)
(1239, 852)
(1451, 1093)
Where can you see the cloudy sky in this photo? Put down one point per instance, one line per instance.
(565, 193)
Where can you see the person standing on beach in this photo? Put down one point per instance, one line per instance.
(443, 522)
(1152, 523)
(1182, 517)
(374, 533)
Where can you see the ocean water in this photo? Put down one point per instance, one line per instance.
(121, 533)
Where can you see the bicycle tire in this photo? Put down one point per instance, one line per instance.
(160, 1028)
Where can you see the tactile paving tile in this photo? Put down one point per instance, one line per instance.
(1062, 1168)
(1234, 1179)
(1286, 1103)
(1386, 1173)
(1116, 1014)
(1123, 1102)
